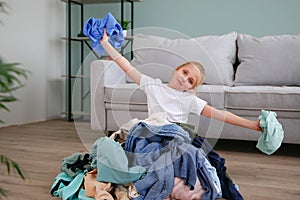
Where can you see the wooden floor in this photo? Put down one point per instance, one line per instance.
(40, 147)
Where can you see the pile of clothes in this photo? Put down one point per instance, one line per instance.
(149, 159)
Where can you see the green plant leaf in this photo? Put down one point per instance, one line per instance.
(10, 80)
(124, 24)
(8, 99)
(5, 161)
(18, 170)
(2, 106)
(11, 164)
(2, 193)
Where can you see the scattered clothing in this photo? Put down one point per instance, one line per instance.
(229, 189)
(166, 152)
(97, 190)
(272, 132)
(156, 119)
(183, 192)
(111, 162)
(125, 192)
(121, 134)
(75, 163)
(94, 30)
(84, 186)
(213, 174)
(67, 187)
(157, 162)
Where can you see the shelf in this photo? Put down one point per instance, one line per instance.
(77, 113)
(76, 38)
(87, 39)
(80, 57)
(74, 76)
(100, 1)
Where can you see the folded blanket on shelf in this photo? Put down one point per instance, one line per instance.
(94, 29)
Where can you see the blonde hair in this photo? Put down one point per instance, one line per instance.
(199, 68)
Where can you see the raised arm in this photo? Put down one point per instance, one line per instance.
(228, 117)
(131, 71)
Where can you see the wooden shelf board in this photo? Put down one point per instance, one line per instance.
(100, 1)
(87, 39)
(77, 113)
(75, 76)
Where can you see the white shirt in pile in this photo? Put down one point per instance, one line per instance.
(176, 104)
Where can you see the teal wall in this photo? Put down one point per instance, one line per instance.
(202, 17)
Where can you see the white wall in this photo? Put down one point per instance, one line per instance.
(31, 36)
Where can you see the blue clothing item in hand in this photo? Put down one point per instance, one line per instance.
(94, 30)
(272, 132)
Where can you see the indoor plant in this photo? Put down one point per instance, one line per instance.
(125, 25)
(10, 80)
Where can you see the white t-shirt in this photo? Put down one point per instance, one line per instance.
(176, 104)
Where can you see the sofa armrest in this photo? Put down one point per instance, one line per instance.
(102, 72)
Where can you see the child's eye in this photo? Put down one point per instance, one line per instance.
(184, 72)
(191, 81)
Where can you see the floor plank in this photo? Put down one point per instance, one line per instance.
(40, 147)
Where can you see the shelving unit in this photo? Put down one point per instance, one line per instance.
(84, 41)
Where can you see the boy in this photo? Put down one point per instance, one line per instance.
(174, 98)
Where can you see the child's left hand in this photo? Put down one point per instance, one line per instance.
(105, 36)
(258, 126)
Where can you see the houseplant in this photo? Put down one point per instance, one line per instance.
(10, 80)
(125, 25)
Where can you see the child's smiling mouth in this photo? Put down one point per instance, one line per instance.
(179, 82)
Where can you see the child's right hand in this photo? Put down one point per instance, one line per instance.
(105, 36)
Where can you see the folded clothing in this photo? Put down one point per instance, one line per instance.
(272, 132)
(94, 29)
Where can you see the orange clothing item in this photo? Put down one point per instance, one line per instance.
(97, 190)
(102, 190)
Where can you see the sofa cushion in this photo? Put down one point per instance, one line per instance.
(213, 94)
(270, 60)
(124, 94)
(159, 56)
(263, 97)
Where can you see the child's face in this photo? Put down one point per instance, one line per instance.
(185, 78)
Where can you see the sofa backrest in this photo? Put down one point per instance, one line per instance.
(159, 56)
(269, 60)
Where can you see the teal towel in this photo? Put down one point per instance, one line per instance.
(68, 188)
(272, 132)
(112, 163)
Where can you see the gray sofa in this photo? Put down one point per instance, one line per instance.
(244, 75)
